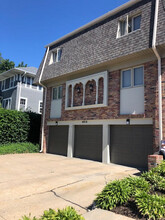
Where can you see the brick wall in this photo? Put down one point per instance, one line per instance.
(112, 111)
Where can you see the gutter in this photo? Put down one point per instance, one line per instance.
(159, 72)
(44, 109)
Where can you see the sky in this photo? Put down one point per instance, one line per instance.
(27, 26)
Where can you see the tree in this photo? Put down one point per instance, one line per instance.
(6, 65)
(1, 58)
(21, 64)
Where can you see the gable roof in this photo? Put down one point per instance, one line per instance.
(31, 71)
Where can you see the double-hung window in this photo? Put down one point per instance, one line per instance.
(12, 81)
(56, 56)
(128, 25)
(132, 77)
(57, 93)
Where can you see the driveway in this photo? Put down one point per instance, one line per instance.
(31, 183)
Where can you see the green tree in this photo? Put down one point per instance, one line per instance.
(1, 58)
(21, 64)
(6, 65)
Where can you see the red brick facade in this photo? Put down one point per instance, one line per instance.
(112, 111)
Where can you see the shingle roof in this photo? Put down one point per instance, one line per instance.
(29, 69)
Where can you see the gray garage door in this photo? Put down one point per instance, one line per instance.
(130, 145)
(88, 142)
(58, 140)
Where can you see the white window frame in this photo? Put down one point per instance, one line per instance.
(3, 85)
(7, 99)
(11, 82)
(25, 103)
(39, 107)
(58, 57)
(56, 87)
(132, 78)
(127, 25)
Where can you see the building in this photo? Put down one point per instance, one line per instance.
(17, 90)
(104, 87)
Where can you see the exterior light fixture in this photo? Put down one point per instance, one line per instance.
(91, 87)
(128, 121)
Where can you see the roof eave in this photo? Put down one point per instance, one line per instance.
(99, 19)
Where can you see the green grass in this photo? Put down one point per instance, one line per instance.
(18, 148)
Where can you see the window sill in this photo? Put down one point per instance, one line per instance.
(128, 34)
(86, 107)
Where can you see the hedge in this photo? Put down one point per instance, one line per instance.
(14, 126)
(17, 126)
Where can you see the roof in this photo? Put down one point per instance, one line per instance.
(97, 20)
(32, 71)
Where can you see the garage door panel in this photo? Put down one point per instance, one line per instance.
(58, 140)
(88, 142)
(130, 145)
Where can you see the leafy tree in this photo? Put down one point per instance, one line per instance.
(1, 58)
(6, 65)
(21, 64)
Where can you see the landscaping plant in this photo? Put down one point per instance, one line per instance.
(68, 213)
(151, 206)
(15, 148)
(115, 193)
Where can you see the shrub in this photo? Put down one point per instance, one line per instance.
(160, 169)
(151, 206)
(137, 183)
(14, 126)
(115, 193)
(157, 181)
(14, 148)
(68, 213)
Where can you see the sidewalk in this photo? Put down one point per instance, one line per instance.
(99, 214)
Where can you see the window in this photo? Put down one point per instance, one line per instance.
(57, 93)
(40, 107)
(132, 77)
(56, 56)
(23, 79)
(6, 103)
(40, 87)
(128, 25)
(12, 81)
(3, 84)
(23, 104)
(33, 85)
(28, 79)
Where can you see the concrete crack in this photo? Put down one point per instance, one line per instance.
(59, 187)
(67, 200)
(2, 217)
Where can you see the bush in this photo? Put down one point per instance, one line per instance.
(154, 178)
(68, 213)
(151, 206)
(14, 126)
(137, 184)
(14, 148)
(160, 169)
(115, 193)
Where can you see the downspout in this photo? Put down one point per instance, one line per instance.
(19, 94)
(159, 71)
(44, 109)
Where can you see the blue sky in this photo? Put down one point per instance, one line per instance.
(28, 25)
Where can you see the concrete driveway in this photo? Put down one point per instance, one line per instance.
(31, 183)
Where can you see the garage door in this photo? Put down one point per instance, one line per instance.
(88, 142)
(130, 145)
(58, 140)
